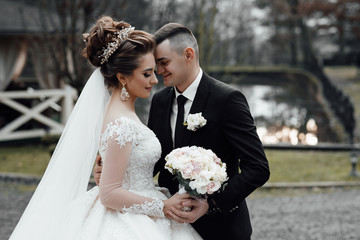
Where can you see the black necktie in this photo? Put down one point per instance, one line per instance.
(179, 127)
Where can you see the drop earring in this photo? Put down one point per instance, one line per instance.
(124, 94)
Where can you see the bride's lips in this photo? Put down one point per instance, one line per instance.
(148, 89)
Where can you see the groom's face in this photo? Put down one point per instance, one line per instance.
(170, 64)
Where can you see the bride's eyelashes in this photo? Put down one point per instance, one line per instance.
(148, 74)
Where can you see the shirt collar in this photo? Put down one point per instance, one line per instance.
(190, 92)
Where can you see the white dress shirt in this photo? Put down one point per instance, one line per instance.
(189, 93)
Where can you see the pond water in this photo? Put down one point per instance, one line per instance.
(289, 109)
(286, 108)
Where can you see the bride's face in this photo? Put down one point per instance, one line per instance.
(140, 83)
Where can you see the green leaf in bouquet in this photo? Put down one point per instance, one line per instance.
(185, 183)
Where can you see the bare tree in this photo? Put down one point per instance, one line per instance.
(57, 51)
(341, 17)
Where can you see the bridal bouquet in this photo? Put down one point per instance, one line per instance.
(199, 171)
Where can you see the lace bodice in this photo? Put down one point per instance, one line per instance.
(146, 151)
(129, 151)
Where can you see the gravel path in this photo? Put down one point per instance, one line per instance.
(325, 215)
(316, 216)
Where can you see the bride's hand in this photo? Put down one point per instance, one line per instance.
(199, 207)
(176, 201)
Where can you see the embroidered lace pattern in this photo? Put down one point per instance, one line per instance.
(154, 208)
(136, 192)
(126, 205)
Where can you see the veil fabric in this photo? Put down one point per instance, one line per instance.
(70, 166)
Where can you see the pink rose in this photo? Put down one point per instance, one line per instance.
(187, 171)
(178, 153)
(197, 167)
(217, 160)
(213, 187)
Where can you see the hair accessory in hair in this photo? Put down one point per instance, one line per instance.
(120, 36)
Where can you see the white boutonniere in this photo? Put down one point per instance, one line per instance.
(195, 121)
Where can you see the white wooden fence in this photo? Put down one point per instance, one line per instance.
(47, 99)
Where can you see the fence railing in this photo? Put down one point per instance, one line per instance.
(47, 99)
(318, 147)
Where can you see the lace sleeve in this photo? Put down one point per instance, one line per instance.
(112, 194)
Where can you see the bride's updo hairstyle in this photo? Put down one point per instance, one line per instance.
(125, 59)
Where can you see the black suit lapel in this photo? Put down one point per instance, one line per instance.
(200, 100)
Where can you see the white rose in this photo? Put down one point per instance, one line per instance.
(207, 175)
(202, 189)
(195, 121)
(220, 174)
(200, 184)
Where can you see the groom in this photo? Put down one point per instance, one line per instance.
(230, 132)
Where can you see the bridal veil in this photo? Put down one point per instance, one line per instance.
(70, 166)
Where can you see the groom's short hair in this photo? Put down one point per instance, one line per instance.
(179, 36)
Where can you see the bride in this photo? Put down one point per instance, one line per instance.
(126, 205)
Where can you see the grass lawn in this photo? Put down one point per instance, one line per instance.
(308, 166)
(31, 160)
(285, 166)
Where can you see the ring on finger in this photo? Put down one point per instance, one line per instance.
(186, 209)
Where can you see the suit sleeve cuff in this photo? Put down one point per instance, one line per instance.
(213, 207)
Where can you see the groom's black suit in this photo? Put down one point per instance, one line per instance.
(231, 133)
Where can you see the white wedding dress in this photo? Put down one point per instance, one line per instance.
(136, 217)
(127, 205)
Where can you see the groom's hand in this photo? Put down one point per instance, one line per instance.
(199, 207)
(97, 169)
